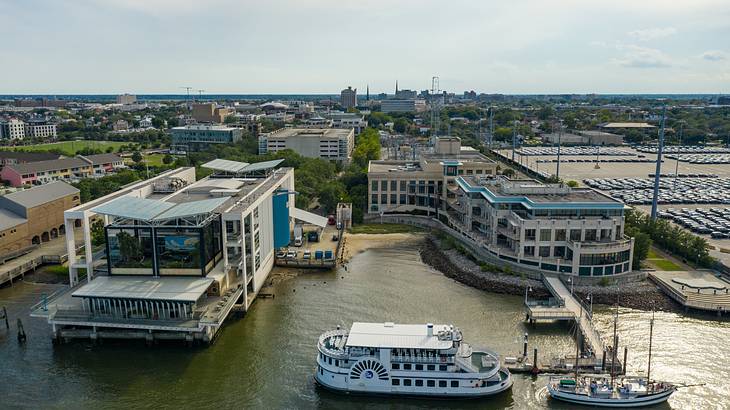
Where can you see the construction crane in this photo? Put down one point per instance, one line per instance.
(200, 95)
(188, 90)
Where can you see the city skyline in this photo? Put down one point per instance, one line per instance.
(285, 47)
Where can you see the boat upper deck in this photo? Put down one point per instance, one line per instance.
(396, 336)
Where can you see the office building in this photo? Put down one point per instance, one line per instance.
(408, 105)
(546, 228)
(348, 120)
(180, 254)
(126, 99)
(348, 98)
(210, 113)
(12, 129)
(200, 137)
(326, 143)
(422, 186)
(32, 216)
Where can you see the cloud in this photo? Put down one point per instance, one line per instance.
(642, 57)
(654, 33)
(713, 55)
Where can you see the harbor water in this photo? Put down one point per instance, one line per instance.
(267, 358)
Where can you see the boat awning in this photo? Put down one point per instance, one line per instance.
(309, 217)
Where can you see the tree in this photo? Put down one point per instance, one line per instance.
(400, 125)
(97, 233)
(572, 183)
(137, 157)
(367, 148)
(168, 159)
(508, 172)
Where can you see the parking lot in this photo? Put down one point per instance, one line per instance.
(635, 165)
(682, 190)
(311, 252)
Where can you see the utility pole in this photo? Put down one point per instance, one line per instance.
(200, 95)
(658, 171)
(188, 90)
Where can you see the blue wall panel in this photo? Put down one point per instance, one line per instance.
(281, 220)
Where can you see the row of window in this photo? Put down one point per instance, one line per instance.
(575, 234)
(429, 367)
(420, 382)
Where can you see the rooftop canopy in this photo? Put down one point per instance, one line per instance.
(390, 335)
(235, 167)
(309, 217)
(151, 210)
(167, 289)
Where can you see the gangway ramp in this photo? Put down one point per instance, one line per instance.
(566, 307)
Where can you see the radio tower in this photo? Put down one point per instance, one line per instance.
(435, 108)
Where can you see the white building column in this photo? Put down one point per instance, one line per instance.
(85, 225)
(73, 275)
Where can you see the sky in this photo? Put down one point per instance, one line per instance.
(322, 46)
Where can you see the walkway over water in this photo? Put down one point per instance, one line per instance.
(566, 306)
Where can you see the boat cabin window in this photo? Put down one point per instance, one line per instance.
(329, 360)
(431, 383)
(406, 382)
(442, 367)
(396, 382)
(419, 367)
(396, 366)
(454, 383)
(442, 383)
(419, 383)
(337, 362)
(407, 366)
(431, 367)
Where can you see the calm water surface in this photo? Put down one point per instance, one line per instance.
(267, 358)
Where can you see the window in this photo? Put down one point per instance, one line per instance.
(545, 234)
(396, 382)
(431, 383)
(374, 198)
(454, 383)
(419, 367)
(396, 366)
(393, 185)
(407, 366)
(529, 250)
(337, 362)
(559, 251)
(374, 185)
(419, 383)
(383, 198)
(529, 234)
(431, 367)
(575, 234)
(545, 251)
(590, 235)
(329, 360)
(406, 382)
(383, 185)
(442, 368)
(560, 234)
(442, 383)
(403, 186)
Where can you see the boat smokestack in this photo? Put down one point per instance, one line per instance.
(429, 329)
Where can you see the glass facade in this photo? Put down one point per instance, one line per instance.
(164, 250)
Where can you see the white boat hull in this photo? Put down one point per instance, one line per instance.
(640, 401)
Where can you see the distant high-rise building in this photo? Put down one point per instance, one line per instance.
(348, 98)
(126, 99)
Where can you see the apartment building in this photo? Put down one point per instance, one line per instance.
(63, 169)
(422, 186)
(326, 143)
(40, 130)
(22, 157)
(126, 99)
(348, 98)
(547, 228)
(210, 113)
(200, 137)
(12, 129)
(32, 216)
(180, 255)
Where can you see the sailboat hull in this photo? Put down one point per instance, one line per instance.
(639, 401)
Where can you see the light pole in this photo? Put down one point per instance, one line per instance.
(590, 297)
(571, 285)
(527, 289)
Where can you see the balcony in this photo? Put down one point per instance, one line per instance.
(601, 245)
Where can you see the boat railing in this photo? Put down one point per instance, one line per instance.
(339, 350)
(418, 359)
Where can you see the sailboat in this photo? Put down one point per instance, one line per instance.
(628, 392)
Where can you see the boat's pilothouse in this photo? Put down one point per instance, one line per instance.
(388, 358)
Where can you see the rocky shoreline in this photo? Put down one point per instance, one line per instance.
(453, 264)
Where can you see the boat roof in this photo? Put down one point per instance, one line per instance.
(391, 335)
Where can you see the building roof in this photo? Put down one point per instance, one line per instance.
(204, 127)
(42, 194)
(168, 289)
(310, 132)
(52, 165)
(97, 159)
(626, 125)
(186, 209)
(29, 156)
(390, 335)
(236, 167)
(309, 217)
(9, 219)
(153, 210)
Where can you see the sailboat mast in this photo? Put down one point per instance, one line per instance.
(651, 336)
(615, 347)
(577, 344)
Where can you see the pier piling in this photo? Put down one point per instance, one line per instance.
(5, 316)
(535, 369)
(524, 346)
(623, 364)
(21, 332)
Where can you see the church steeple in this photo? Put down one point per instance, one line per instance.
(367, 93)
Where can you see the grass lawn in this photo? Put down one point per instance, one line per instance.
(659, 262)
(376, 228)
(71, 147)
(153, 160)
